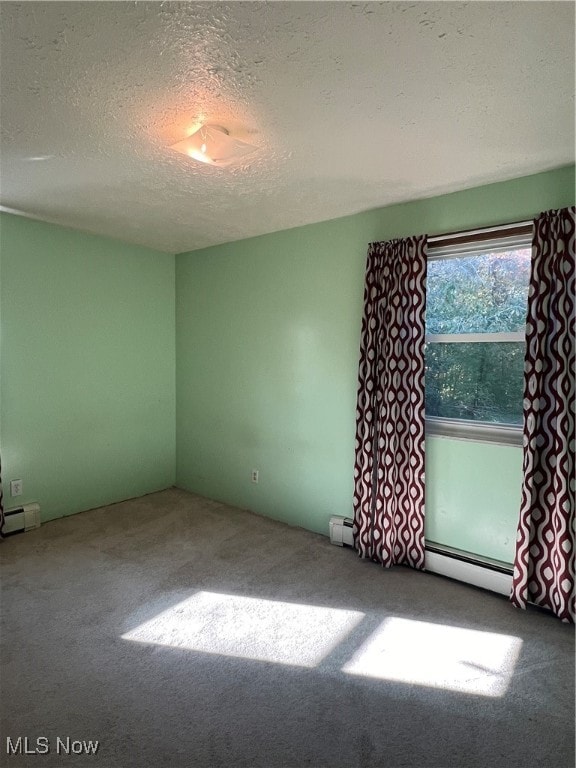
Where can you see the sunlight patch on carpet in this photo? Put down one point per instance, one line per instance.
(250, 628)
(437, 655)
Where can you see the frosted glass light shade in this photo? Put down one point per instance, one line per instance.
(213, 145)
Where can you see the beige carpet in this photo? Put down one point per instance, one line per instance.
(177, 631)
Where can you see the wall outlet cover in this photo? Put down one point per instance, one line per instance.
(15, 487)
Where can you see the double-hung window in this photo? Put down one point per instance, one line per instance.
(477, 291)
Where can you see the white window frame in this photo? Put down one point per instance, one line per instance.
(461, 429)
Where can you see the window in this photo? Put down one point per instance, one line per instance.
(477, 291)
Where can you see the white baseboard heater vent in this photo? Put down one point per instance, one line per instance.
(445, 561)
(341, 531)
(21, 519)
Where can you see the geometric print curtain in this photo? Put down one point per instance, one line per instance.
(389, 459)
(544, 561)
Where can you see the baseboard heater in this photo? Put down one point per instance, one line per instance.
(21, 519)
(445, 561)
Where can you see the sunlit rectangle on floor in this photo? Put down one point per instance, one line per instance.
(248, 627)
(453, 658)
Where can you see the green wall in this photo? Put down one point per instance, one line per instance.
(267, 335)
(87, 367)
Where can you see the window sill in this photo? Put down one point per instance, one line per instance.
(483, 432)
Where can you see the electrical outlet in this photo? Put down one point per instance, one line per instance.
(255, 476)
(15, 487)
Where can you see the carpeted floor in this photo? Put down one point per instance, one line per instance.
(177, 631)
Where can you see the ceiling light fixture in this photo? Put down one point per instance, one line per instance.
(212, 144)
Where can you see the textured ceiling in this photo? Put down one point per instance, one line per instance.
(353, 106)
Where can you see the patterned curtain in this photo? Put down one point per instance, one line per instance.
(389, 467)
(544, 563)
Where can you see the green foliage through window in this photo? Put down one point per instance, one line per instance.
(476, 382)
(485, 293)
(472, 379)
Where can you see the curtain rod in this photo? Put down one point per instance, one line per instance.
(469, 233)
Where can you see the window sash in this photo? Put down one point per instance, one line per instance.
(458, 245)
(473, 338)
(489, 240)
(479, 431)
